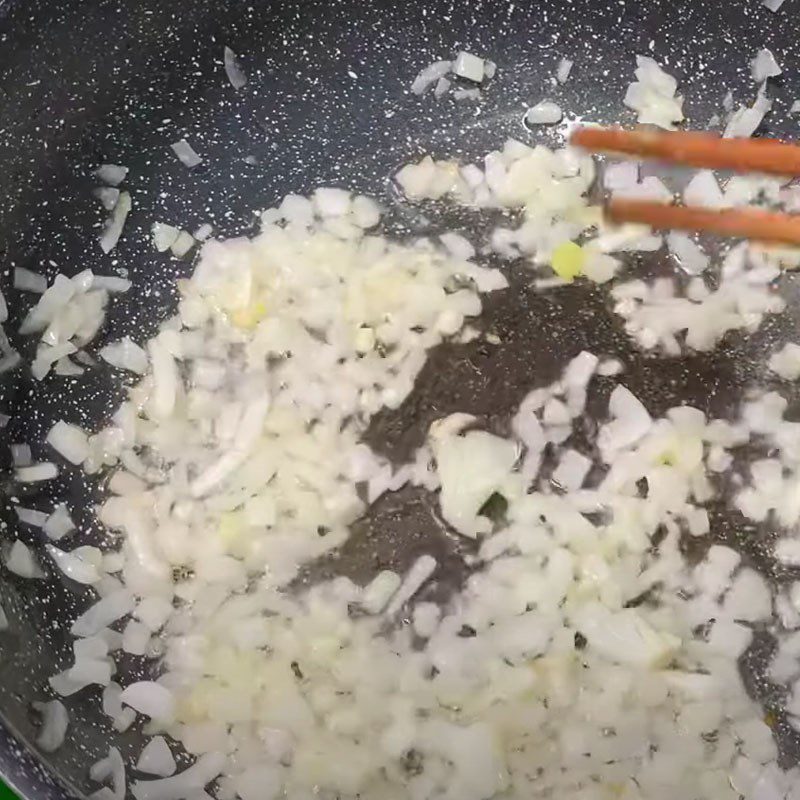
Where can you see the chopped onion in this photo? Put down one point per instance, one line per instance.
(36, 473)
(232, 69)
(80, 565)
(153, 612)
(469, 67)
(442, 87)
(21, 455)
(186, 154)
(430, 75)
(786, 362)
(284, 347)
(69, 441)
(55, 721)
(471, 468)
(27, 281)
(112, 230)
(687, 252)
(151, 699)
(545, 112)
(110, 768)
(20, 560)
(631, 422)
(420, 571)
(204, 232)
(135, 638)
(107, 196)
(466, 94)
(624, 637)
(59, 523)
(379, 591)
(164, 236)
(563, 70)
(572, 470)
(103, 613)
(65, 367)
(111, 174)
(653, 95)
(622, 175)
(156, 758)
(182, 245)
(745, 120)
(29, 516)
(703, 190)
(764, 66)
(185, 784)
(125, 354)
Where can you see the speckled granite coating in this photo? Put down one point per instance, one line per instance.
(84, 82)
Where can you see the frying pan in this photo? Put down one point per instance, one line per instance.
(83, 82)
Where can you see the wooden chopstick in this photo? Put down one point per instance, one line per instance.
(747, 223)
(694, 149)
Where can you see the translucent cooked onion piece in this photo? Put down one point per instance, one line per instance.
(151, 699)
(156, 758)
(234, 72)
(186, 153)
(53, 730)
(20, 560)
(112, 230)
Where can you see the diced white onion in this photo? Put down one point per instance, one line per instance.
(30, 516)
(545, 112)
(111, 174)
(234, 72)
(430, 75)
(764, 66)
(20, 454)
(186, 154)
(687, 252)
(469, 67)
(69, 441)
(420, 571)
(164, 236)
(36, 473)
(59, 523)
(156, 758)
(185, 784)
(125, 354)
(151, 699)
(103, 613)
(27, 281)
(108, 197)
(563, 70)
(112, 229)
(80, 565)
(20, 560)
(55, 721)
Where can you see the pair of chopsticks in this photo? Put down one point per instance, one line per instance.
(708, 151)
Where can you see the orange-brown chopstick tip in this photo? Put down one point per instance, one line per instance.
(745, 223)
(704, 150)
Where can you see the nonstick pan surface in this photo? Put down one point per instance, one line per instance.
(84, 82)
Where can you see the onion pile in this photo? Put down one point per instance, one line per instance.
(68, 316)
(584, 656)
(653, 95)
